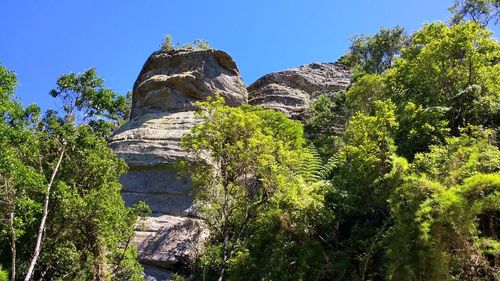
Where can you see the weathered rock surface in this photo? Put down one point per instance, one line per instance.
(163, 107)
(174, 81)
(169, 242)
(291, 91)
(162, 112)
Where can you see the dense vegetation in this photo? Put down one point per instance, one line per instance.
(61, 210)
(397, 178)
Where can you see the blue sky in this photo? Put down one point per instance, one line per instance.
(41, 40)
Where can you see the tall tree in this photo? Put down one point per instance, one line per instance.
(246, 158)
(18, 180)
(85, 101)
(453, 67)
(60, 182)
(366, 172)
(375, 54)
(445, 79)
(480, 11)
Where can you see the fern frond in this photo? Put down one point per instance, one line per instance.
(312, 168)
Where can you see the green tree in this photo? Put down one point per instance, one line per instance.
(325, 124)
(18, 180)
(245, 180)
(479, 11)
(446, 213)
(59, 186)
(365, 174)
(85, 100)
(419, 128)
(375, 54)
(363, 94)
(454, 67)
(167, 44)
(445, 79)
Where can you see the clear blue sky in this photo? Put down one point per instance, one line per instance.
(41, 40)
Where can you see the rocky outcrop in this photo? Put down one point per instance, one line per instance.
(173, 81)
(163, 105)
(291, 91)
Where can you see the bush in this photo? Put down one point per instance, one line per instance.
(4, 275)
(167, 45)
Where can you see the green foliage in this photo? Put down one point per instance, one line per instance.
(445, 82)
(168, 46)
(326, 122)
(420, 128)
(88, 227)
(445, 79)
(363, 94)
(4, 275)
(91, 216)
(7, 81)
(375, 54)
(20, 181)
(367, 152)
(454, 67)
(253, 195)
(479, 11)
(312, 168)
(450, 189)
(365, 173)
(86, 101)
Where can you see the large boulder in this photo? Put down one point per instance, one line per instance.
(169, 242)
(163, 104)
(291, 91)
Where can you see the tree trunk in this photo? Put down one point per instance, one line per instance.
(99, 272)
(45, 213)
(12, 246)
(224, 258)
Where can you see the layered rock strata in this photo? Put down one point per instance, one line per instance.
(291, 91)
(163, 105)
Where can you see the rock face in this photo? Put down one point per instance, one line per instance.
(163, 107)
(169, 241)
(291, 91)
(174, 81)
(162, 112)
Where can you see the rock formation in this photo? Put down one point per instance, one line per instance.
(291, 91)
(162, 111)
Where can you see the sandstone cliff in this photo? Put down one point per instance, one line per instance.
(291, 91)
(162, 111)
